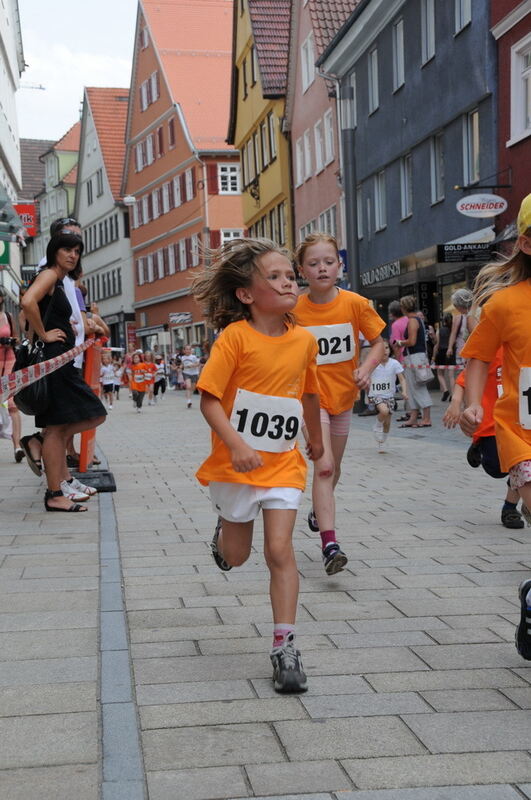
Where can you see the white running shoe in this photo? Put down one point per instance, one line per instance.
(82, 487)
(378, 431)
(69, 491)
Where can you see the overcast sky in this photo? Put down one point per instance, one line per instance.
(79, 44)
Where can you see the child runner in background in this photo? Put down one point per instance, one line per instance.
(191, 366)
(504, 291)
(150, 370)
(335, 317)
(160, 377)
(118, 377)
(382, 393)
(137, 381)
(107, 378)
(258, 381)
(483, 451)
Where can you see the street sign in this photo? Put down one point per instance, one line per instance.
(481, 205)
(180, 317)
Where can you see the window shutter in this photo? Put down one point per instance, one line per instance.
(182, 181)
(193, 182)
(176, 256)
(150, 207)
(215, 239)
(212, 179)
(171, 195)
(188, 249)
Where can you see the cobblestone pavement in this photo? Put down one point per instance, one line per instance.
(164, 691)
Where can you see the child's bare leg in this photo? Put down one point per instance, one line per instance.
(234, 541)
(442, 381)
(384, 416)
(280, 559)
(324, 505)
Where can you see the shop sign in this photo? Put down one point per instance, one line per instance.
(382, 273)
(26, 212)
(452, 253)
(481, 205)
(180, 317)
(112, 320)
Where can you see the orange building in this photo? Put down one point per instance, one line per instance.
(180, 177)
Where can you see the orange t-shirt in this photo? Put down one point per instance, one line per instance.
(252, 375)
(150, 370)
(336, 326)
(490, 395)
(505, 320)
(137, 377)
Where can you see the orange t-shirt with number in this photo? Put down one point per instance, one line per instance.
(150, 373)
(490, 395)
(260, 381)
(137, 377)
(336, 327)
(506, 320)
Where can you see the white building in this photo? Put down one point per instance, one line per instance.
(102, 213)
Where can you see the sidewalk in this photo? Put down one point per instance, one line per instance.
(414, 681)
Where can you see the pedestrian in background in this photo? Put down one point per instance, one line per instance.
(8, 340)
(149, 376)
(414, 344)
(463, 324)
(446, 377)
(191, 366)
(160, 377)
(137, 380)
(382, 393)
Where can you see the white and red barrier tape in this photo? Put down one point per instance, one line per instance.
(15, 381)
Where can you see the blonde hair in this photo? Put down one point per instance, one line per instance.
(408, 303)
(233, 266)
(502, 273)
(310, 240)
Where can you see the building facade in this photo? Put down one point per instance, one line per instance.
(181, 176)
(102, 214)
(420, 130)
(257, 126)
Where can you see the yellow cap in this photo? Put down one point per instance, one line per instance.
(524, 215)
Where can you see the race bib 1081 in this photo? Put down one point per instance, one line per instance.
(381, 388)
(525, 397)
(336, 342)
(266, 422)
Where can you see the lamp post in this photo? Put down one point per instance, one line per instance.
(347, 121)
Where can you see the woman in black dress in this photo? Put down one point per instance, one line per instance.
(442, 359)
(74, 407)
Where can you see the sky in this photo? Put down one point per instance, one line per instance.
(81, 44)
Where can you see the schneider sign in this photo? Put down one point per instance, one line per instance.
(382, 273)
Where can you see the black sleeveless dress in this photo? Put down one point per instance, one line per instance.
(72, 400)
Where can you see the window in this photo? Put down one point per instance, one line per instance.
(307, 62)
(99, 182)
(463, 14)
(250, 162)
(143, 93)
(189, 183)
(299, 162)
(281, 223)
(520, 90)
(254, 66)
(406, 187)
(398, 55)
(380, 217)
(272, 136)
(244, 79)
(227, 235)
(229, 178)
(160, 142)
(257, 153)
(165, 198)
(160, 264)
(310, 227)
(359, 211)
(144, 38)
(327, 221)
(171, 133)
(264, 144)
(182, 254)
(374, 100)
(427, 29)
(273, 224)
(177, 191)
(155, 86)
(319, 145)
(171, 260)
(90, 197)
(328, 136)
(150, 155)
(437, 168)
(156, 210)
(471, 147)
(150, 274)
(307, 155)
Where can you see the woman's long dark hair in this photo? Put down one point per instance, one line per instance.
(64, 240)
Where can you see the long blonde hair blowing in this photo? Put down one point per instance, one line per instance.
(233, 266)
(499, 274)
(311, 239)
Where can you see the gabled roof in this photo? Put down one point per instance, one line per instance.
(193, 42)
(270, 23)
(70, 141)
(32, 167)
(109, 112)
(327, 19)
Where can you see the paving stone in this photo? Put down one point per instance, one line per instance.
(223, 712)
(398, 624)
(50, 620)
(388, 639)
(482, 730)
(48, 740)
(47, 699)
(495, 792)
(364, 705)
(199, 668)
(445, 679)
(199, 691)
(189, 617)
(469, 655)
(194, 634)
(46, 644)
(50, 670)
(259, 644)
(211, 746)
(51, 783)
(521, 697)
(212, 783)
(297, 777)
(465, 636)
(468, 700)
(319, 685)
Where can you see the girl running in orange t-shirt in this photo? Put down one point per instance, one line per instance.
(137, 380)
(336, 318)
(150, 369)
(504, 291)
(260, 378)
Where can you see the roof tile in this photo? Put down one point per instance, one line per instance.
(328, 18)
(70, 141)
(270, 22)
(109, 111)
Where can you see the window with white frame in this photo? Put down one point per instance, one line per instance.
(359, 211)
(310, 227)
(272, 135)
(139, 158)
(328, 124)
(182, 254)
(380, 204)
(427, 29)
(189, 184)
(463, 14)
(299, 162)
(257, 152)
(228, 234)
(282, 236)
(471, 147)
(398, 55)
(520, 90)
(264, 143)
(196, 257)
(171, 260)
(437, 167)
(319, 145)
(150, 150)
(150, 276)
(406, 186)
(144, 38)
(327, 221)
(229, 178)
(307, 155)
(307, 62)
(156, 210)
(165, 198)
(374, 99)
(250, 162)
(160, 264)
(177, 192)
(155, 90)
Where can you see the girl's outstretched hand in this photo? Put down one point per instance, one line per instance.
(244, 458)
(453, 413)
(470, 418)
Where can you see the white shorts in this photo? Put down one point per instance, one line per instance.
(241, 502)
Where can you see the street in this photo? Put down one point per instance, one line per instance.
(163, 691)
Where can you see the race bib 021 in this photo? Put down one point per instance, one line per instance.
(266, 422)
(524, 396)
(336, 342)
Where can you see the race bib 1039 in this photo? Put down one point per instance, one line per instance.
(524, 396)
(266, 422)
(336, 342)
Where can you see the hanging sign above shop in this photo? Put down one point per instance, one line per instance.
(452, 253)
(481, 205)
(180, 317)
